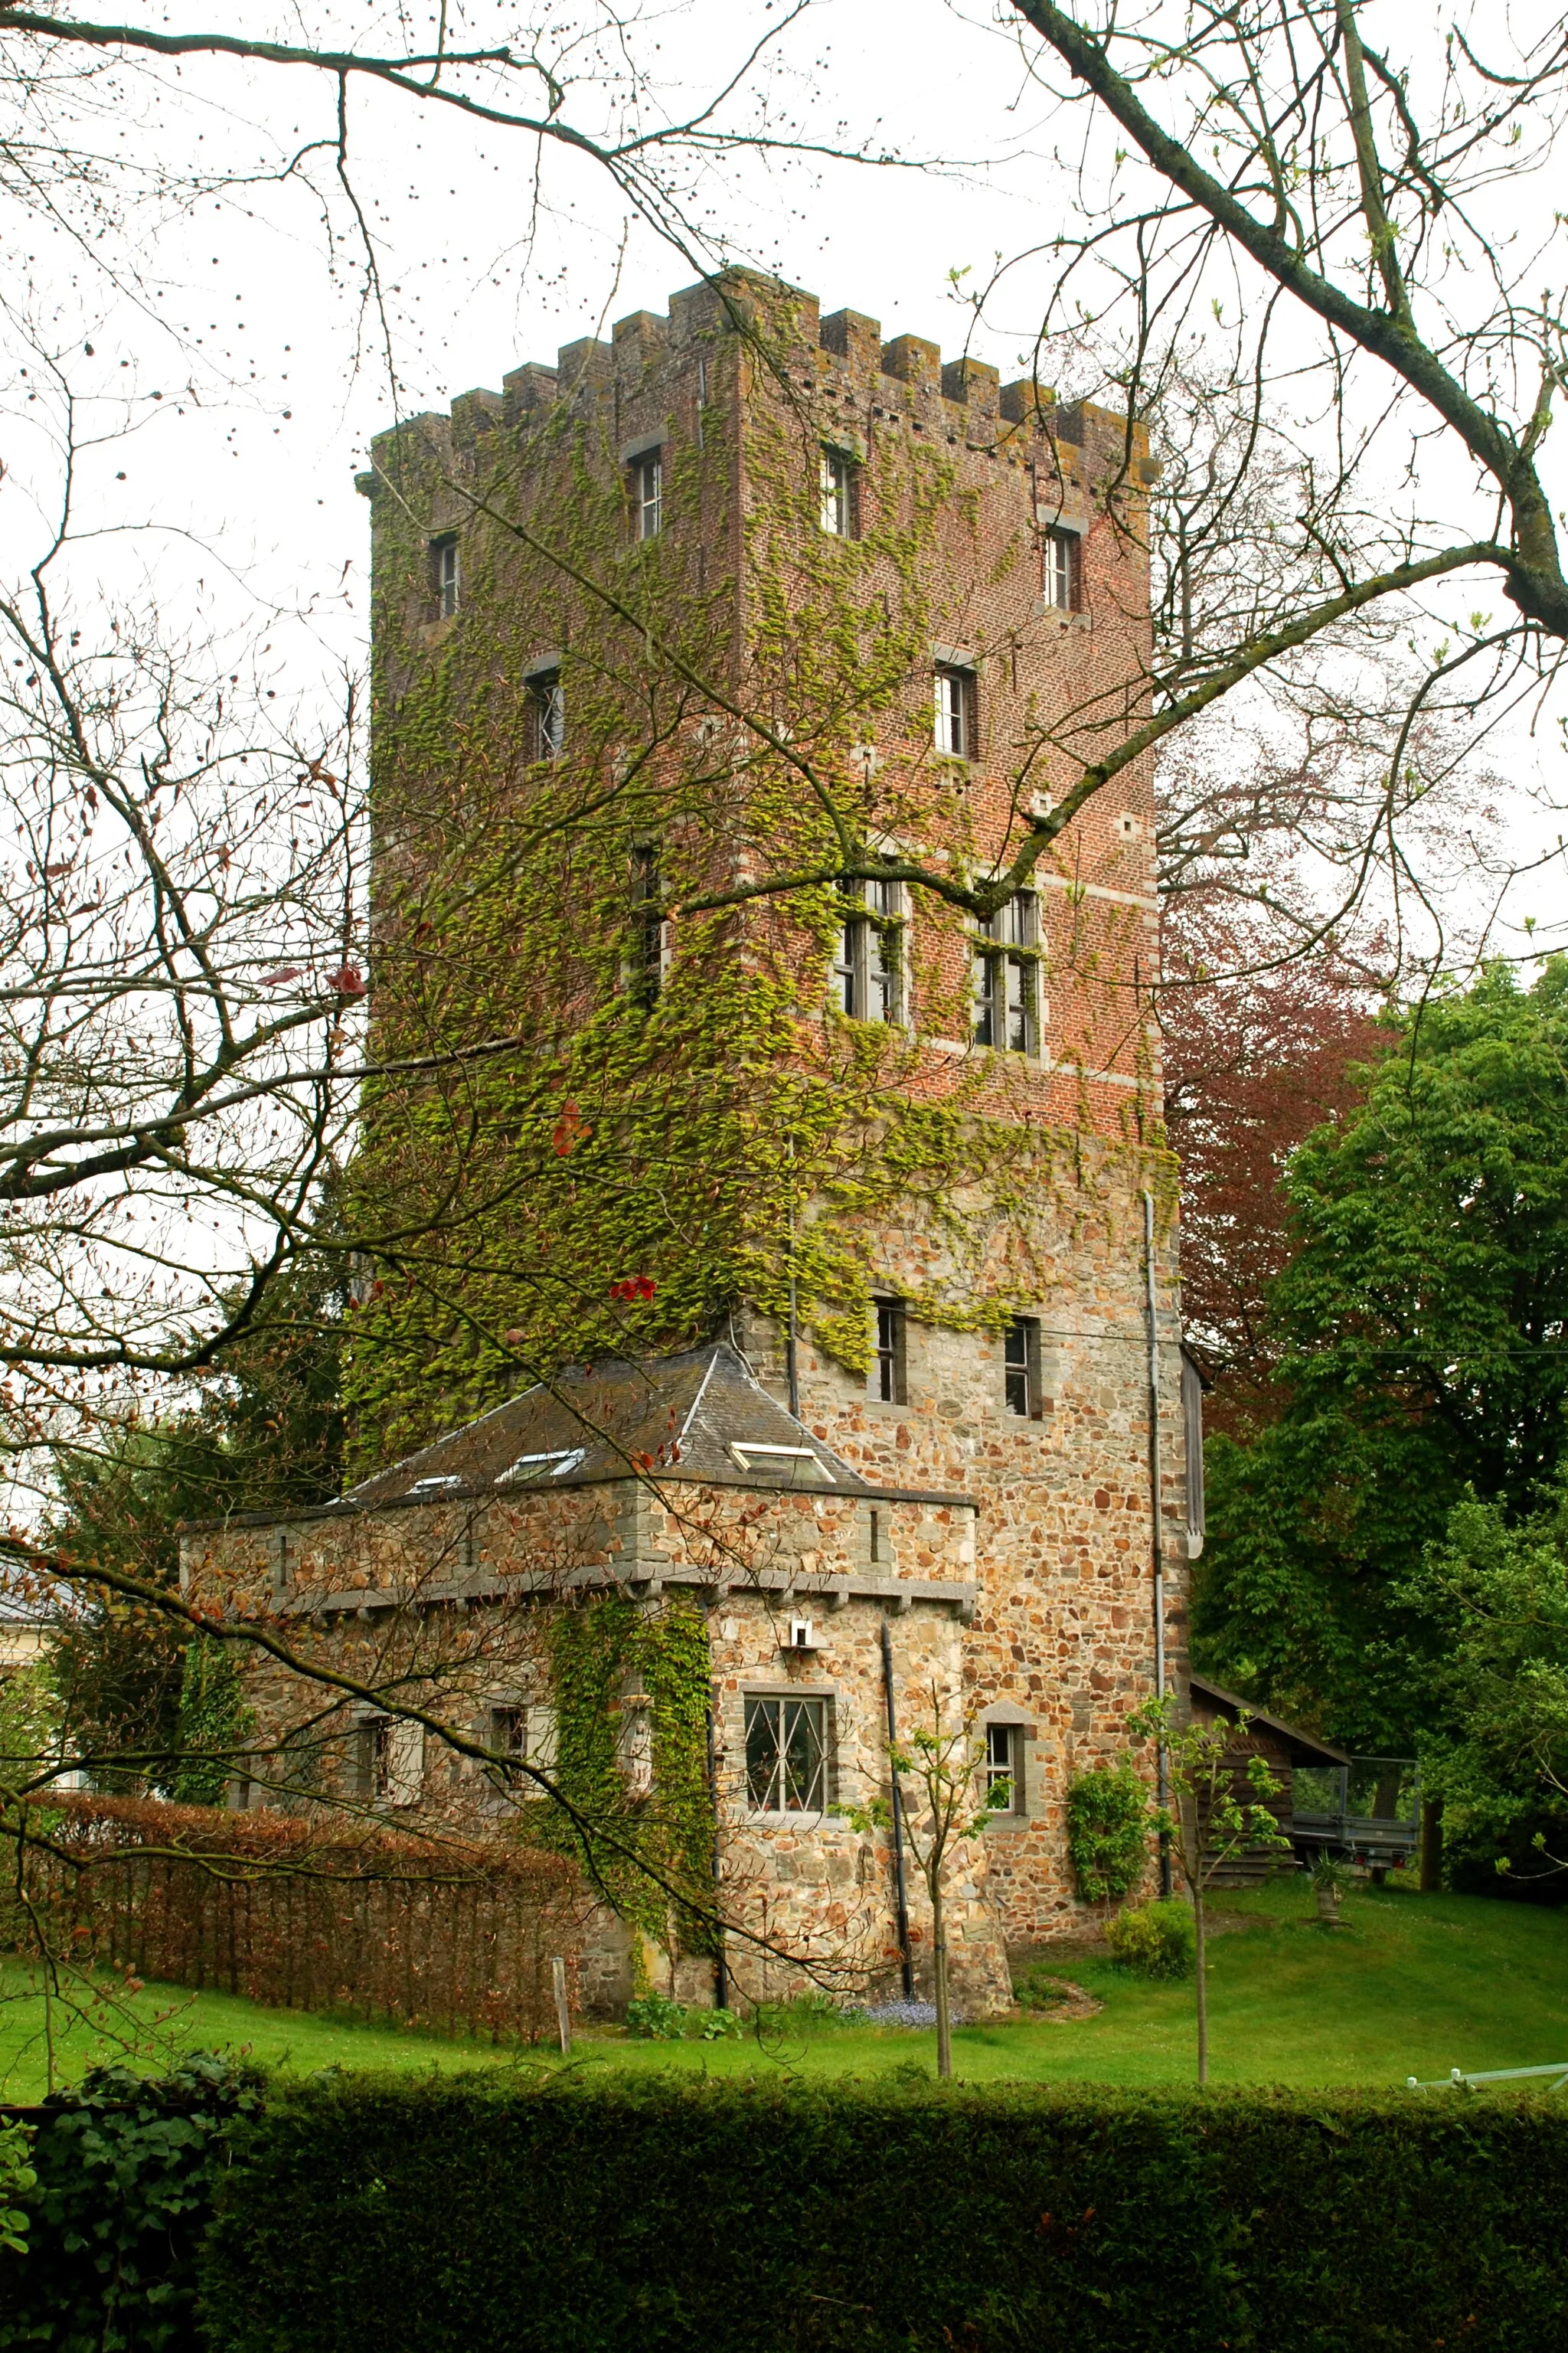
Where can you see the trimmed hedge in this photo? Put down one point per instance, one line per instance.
(464, 2217)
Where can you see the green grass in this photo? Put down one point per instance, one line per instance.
(1411, 1984)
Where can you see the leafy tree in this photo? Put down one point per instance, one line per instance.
(1252, 1064)
(1420, 1329)
(944, 1802)
(1491, 1602)
(266, 1432)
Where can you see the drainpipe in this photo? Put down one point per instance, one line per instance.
(901, 1891)
(1156, 1545)
(792, 1356)
(720, 1965)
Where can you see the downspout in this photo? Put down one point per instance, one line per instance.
(901, 1891)
(720, 1965)
(1156, 1546)
(792, 1356)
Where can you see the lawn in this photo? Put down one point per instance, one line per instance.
(1411, 1984)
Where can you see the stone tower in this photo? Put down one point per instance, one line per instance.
(703, 660)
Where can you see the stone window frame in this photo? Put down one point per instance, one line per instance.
(644, 968)
(645, 482)
(862, 969)
(888, 1378)
(1007, 1715)
(838, 491)
(1025, 1358)
(446, 575)
(384, 1782)
(545, 710)
(1008, 959)
(1061, 568)
(824, 1695)
(955, 723)
(539, 1729)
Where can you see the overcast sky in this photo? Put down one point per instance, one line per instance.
(251, 324)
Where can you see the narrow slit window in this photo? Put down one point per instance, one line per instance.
(546, 716)
(1021, 1366)
(957, 713)
(1062, 557)
(647, 495)
(446, 575)
(835, 489)
(1004, 1780)
(889, 1356)
(649, 947)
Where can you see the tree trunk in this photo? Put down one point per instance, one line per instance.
(938, 1953)
(1431, 1846)
(1203, 1987)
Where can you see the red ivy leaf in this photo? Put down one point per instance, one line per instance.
(570, 1130)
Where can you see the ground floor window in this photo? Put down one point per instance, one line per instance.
(388, 1761)
(786, 1755)
(1004, 1763)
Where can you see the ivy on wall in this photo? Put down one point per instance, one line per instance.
(214, 1720)
(607, 1657)
(729, 1130)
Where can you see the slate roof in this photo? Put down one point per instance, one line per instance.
(700, 1415)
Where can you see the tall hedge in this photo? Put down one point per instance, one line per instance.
(125, 2170)
(460, 2217)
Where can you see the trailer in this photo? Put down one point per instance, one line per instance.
(1367, 1810)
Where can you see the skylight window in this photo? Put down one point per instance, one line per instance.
(800, 1460)
(529, 1467)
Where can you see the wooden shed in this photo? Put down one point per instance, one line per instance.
(1283, 1746)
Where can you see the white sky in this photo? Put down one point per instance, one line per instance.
(482, 280)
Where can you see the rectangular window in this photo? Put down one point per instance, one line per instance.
(1003, 1765)
(1007, 979)
(1061, 552)
(389, 1761)
(647, 495)
(508, 1733)
(888, 1360)
(444, 575)
(786, 1755)
(866, 979)
(1021, 1357)
(1193, 1434)
(546, 716)
(649, 961)
(836, 508)
(957, 708)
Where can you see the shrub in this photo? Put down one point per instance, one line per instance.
(654, 2018)
(720, 2217)
(1107, 1831)
(125, 2167)
(17, 2178)
(1158, 1940)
